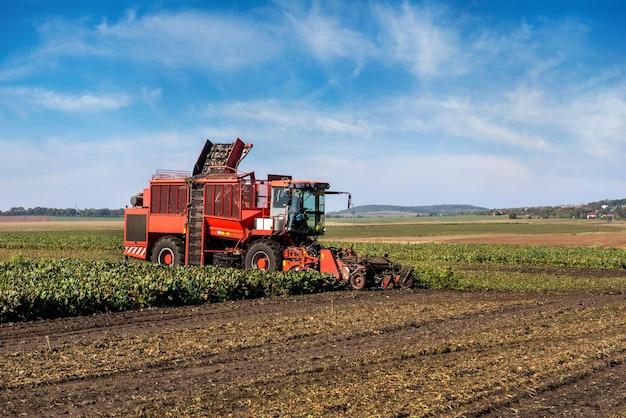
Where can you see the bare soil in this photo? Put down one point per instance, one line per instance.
(24, 219)
(588, 239)
(76, 225)
(399, 353)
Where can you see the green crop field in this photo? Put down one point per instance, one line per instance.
(51, 288)
(77, 271)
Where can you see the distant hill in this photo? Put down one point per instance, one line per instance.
(603, 209)
(393, 210)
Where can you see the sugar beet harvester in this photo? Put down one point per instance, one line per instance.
(221, 216)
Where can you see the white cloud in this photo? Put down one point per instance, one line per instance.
(413, 179)
(181, 40)
(432, 43)
(590, 122)
(327, 37)
(294, 117)
(417, 37)
(26, 99)
(396, 119)
(151, 96)
(64, 172)
(384, 152)
(102, 172)
(598, 120)
(469, 125)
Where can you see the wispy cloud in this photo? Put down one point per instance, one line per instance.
(397, 119)
(426, 41)
(429, 97)
(419, 38)
(25, 99)
(190, 39)
(327, 37)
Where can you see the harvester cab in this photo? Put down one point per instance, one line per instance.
(222, 216)
(298, 207)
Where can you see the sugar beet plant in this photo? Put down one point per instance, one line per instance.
(62, 240)
(589, 257)
(32, 289)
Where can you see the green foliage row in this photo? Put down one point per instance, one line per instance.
(62, 240)
(590, 257)
(32, 289)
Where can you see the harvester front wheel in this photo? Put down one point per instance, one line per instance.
(264, 255)
(168, 251)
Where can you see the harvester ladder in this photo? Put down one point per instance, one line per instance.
(194, 254)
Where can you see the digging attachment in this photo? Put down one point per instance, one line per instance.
(374, 272)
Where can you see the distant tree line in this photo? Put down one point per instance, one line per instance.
(605, 208)
(40, 211)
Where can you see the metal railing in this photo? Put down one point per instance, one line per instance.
(162, 174)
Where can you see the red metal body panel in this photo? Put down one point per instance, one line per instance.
(225, 228)
(167, 202)
(167, 224)
(328, 264)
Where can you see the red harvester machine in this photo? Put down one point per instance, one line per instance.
(221, 216)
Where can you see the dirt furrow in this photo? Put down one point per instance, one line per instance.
(317, 344)
(484, 327)
(602, 386)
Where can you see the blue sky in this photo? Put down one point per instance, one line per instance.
(493, 103)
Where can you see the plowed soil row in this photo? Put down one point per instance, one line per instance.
(398, 353)
(615, 239)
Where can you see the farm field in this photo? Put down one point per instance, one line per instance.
(397, 353)
(493, 330)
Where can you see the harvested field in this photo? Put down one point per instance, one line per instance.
(416, 230)
(615, 239)
(395, 353)
(82, 225)
(604, 239)
(23, 219)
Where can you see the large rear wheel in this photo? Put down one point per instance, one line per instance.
(264, 255)
(168, 251)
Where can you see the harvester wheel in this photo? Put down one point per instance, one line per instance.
(357, 281)
(168, 251)
(264, 255)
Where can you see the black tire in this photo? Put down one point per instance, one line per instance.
(268, 250)
(169, 246)
(357, 281)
